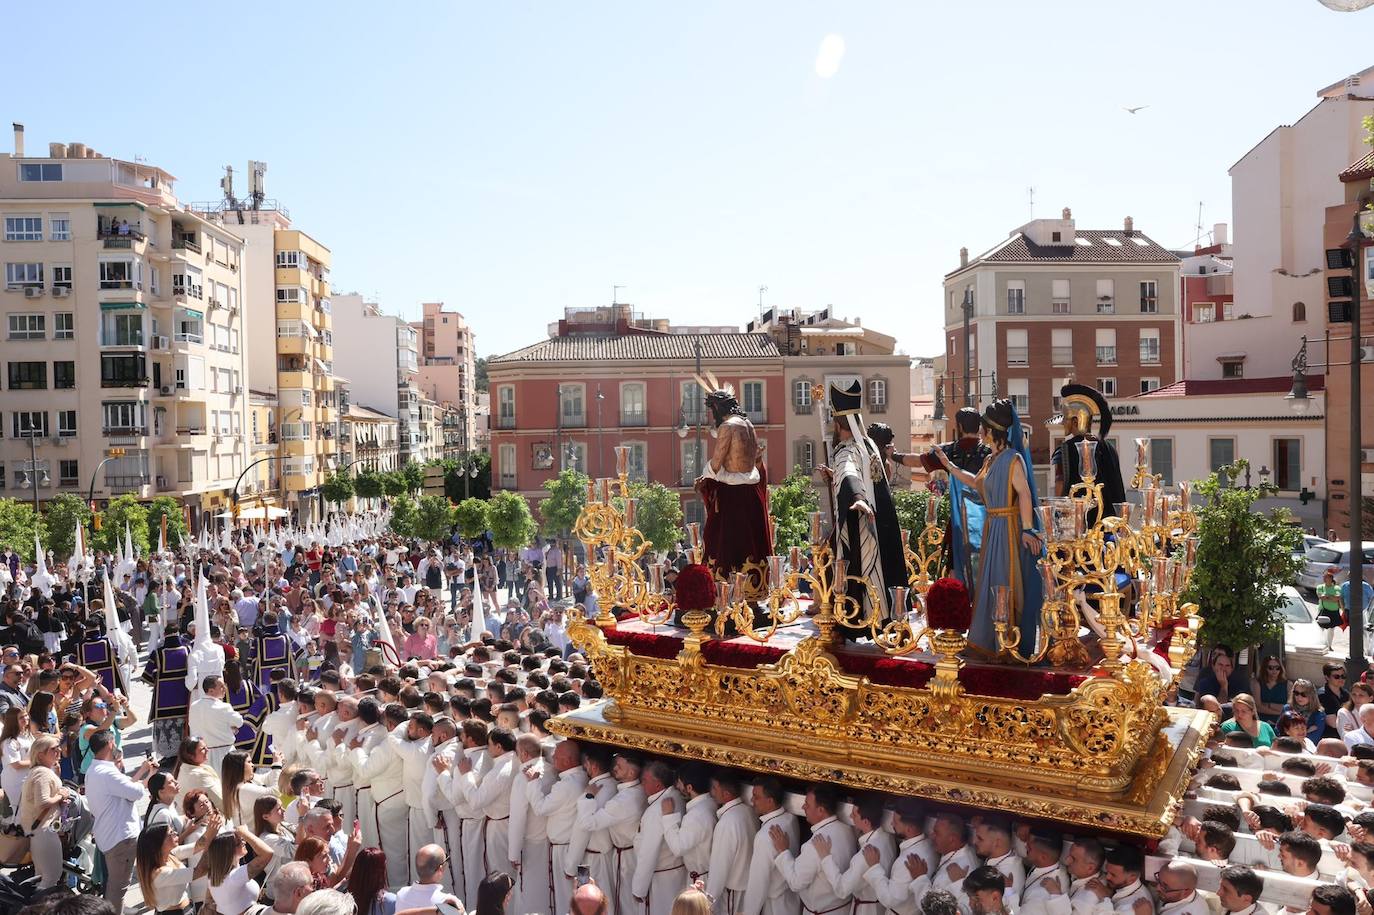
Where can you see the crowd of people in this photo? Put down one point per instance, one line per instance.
(361, 725)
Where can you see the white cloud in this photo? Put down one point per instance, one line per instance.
(829, 56)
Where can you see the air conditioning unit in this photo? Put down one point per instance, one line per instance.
(61, 292)
(32, 292)
(1367, 354)
(1367, 455)
(159, 341)
(238, 389)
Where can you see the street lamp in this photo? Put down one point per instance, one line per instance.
(968, 355)
(35, 477)
(1297, 396)
(600, 437)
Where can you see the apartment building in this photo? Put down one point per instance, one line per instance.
(447, 367)
(1054, 302)
(375, 438)
(290, 344)
(818, 348)
(608, 376)
(458, 438)
(123, 330)
(378, 354)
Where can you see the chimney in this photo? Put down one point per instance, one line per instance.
(1067, 214)
(963, 257)
(18, 141)
(1130, 225)
(1219, 234)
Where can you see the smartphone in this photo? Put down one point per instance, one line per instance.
(584, 875)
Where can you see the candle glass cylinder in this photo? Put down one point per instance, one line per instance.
(906, 536)
(815, 527)
(1080, 517)
(737, 587)
(1047, 521)
(656, 577)
(591, 490)
(1123, 511)
(1002, 609)
(898, 599)
(775, 566)
(794, 559)
(1185, 496)
(841, 573)
(694, 534)
(1161, 570)
(631, 512)
(1047, 577)
(622, 460)
(605, 489)
(1151, 497)
(1087, 458)
(1142, 455)
(932, 508)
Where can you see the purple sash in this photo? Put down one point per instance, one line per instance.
(171, 698)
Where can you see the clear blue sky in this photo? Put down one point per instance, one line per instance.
(512, 159)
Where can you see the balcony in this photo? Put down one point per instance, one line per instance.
(114, 242)
(1018, 355)
(1061, 306)
(185, 243)
(757, 417)
(190, 338)
(636, 418)
(126, 481)
(1106, 306)
(506, 481)
(188, 291)
(1061, 355)
(120, 284)
(1106, 355)
(123, 339)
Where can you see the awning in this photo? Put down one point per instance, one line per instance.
(319, 367)
(192, 313)
(120, 306)
(120, 203)
(266, 512)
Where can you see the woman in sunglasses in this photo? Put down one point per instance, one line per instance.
(1304, 703)
(1270, 689)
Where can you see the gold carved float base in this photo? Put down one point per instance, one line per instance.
(1145, 808)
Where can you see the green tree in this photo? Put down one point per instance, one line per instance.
(337, 488)
(658, 514)
(911, 509)
(176, 525)
(791, 502)
(480, 374)
(369, 484)
(458, 487)
(394, 484)
(566, 499)
(404, 514)
(128, 510)
(512, 525)
(414, 476)
(61, 514)
(1244, 558)
(473, 517)
(18, 524)
(433, 518)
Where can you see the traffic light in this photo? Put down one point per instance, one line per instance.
(1340, 288)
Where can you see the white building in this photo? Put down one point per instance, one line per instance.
(378, 354)
(1280, 190)
(1198, 426)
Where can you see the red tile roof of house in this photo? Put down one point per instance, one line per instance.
(1360, 169)
(1278, 384)
(1105, 246)
(605, 347)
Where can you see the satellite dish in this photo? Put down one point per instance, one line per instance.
(1346, 6)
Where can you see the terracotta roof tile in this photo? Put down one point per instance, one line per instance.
(1278, 384)
(1105, 247)
(1360, 169)
(602, 347)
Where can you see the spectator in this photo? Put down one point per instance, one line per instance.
(1245, 718)
(327, 902)
(1364, 734)
(1348, 718)
(1332, 695)
(290, 886)
(232, 885)
(691, 901)
(1294, 726)
(430, 862)
(1303, 703)
(1347, 601)
(367, 884)
(1219, 682)
(1330, 604)
(494, 894)
(1270, 689)
(112, 796)
(588, 899)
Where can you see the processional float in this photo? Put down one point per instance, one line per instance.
(1073, 729)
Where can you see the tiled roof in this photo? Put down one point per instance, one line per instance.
(1279, 384)
(1105, 246)
(603, 347)
(1360, 169)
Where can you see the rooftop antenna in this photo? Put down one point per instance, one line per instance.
(762, 290)
(615, 294)
(1030, 193)
(257, 171)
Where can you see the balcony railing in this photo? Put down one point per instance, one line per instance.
(507, 481)
(185, 244)
(126, 481)
(120, 284)
(1061, 306)
(192, 290)
(115, 241)
(1106, 306)
(126, 430)
(124, 382)
(121, 340)
(1106, 355)
(574, 421)
(1061, 355)
(640, 418)
(190, 338)
(1018, 355)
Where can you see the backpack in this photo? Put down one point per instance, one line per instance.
(434, 576)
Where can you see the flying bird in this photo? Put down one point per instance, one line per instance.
(1133, 110)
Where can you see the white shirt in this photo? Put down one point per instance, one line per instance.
(420, 896)
(214, 721)
(894, 889)
(111, 796)
(236, 893)
(558, 802)
(1192, 904)
(731, 843)
(688, 834)
(803, 871)
(767, 889)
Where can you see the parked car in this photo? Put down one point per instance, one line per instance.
(1304, 642)
(1305, 545)
(1336, 553)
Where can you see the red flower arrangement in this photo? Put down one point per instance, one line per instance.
(695, 588)
(745, 655)
(948, 605)
(646, 644)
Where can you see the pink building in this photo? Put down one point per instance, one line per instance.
(447, 367)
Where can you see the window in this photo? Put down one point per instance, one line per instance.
(1107, 386)
(1233, 368)
(124, 417)
(1061, 345)
(60, 227)
(23, 228)
(506, 465)
(693, 406)
(1149, 346)
(1060, 301)
(1018, 347)
(751, 399)
(877, 395)
(638, 461)
(1220, 452)
(1106, 345)
(1299, 312)
(118, 275)
(804, 455)
(692, 460)
(1204, 314)
(1057, 385)
(1056, 236)
(1149, 297)
(1106, 297)
(288, 258)
(801, 395)
(123, 371)
(121, 329)
(40, 171)
(1149, 384)
(66, 423)
(844, 348)
(505, 406)
(1288, 464)
(2, 476)
(66, 473)
(62, 276)
(292, 294)
(30, 423)
(572, 405)
(632, 410)
(127, 472)
(1162, 459)
(27, 327)
(1016, 297)
(64, 374)
(28, 376)
(26, 274)
(1018, 389)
